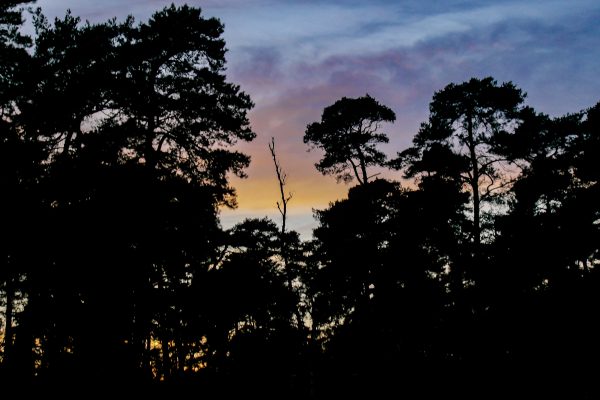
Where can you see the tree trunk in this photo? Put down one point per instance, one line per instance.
(147, 356)
(152, 121)
(8, 330)
(67, 145)
(149, 153)
(363, 165)
(356, 174)
(281, 179)
(363, 168)
(474, 185)
(181, 353)
(166, 360)
(164, 337)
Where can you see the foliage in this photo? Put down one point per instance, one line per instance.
(458, 141)
(349, 132)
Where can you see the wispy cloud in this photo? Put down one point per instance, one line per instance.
(296, 57)
(309, 31)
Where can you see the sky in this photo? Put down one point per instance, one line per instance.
(296, 57)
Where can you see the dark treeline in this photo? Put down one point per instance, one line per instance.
(478, 277)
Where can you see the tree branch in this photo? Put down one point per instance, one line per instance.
(355, 168)
(281, 179)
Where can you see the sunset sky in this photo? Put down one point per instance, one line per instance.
(296, 57)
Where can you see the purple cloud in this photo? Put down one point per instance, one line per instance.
(296, 57)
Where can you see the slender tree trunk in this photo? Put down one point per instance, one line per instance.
(281, 179)
(356, 174)
(147, 356)
(67, 145)
(283, 215)
(74, 133)
(180, 356)
(8, 330)
(166, 360)
(152, 121)
(140, 344)
(474, 185)
(164, 337)
(150, 155)
(363, 169)
(363, 166)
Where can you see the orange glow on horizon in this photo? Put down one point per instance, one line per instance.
(308, 192)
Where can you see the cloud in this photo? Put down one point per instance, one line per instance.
(512, 43)
(307, 31)
(296, 57)
(553, 57)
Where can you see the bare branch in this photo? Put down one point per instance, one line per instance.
(495, 160)
(489, 189)
(281, 179)
(282, 207)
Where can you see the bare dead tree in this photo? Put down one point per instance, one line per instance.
(282, 207)
(281, 178)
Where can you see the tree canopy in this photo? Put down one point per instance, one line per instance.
(458, 141)
(348, 133)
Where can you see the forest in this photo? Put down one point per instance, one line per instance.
(475, 276)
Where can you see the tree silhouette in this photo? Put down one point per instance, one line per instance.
(135, 172)
(13, 64)
(464, 120)
(256, 338)
(282, 180)
(171, 88)
(349, 132)
(284, 236)
(544, 289)
(70, 75)
(20, 168)
(381, 282)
